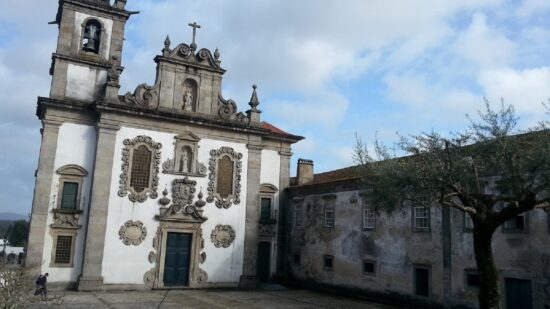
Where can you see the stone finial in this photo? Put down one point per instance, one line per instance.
(254, 113)
(195, 26)
(254, 99)
(217, 54)
(166, 49)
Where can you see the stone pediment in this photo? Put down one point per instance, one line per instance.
(186, 54)
(187, 136)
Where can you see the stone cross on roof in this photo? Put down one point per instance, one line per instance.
(194, 25)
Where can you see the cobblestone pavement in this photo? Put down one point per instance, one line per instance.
(187, 299)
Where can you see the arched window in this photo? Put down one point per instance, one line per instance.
(224, 185)
(91, 36)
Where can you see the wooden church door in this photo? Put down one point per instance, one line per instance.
(178, 256)
(263, 262)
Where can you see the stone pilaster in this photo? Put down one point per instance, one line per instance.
(42, 192)
(91, 278)
(284, 182)
(248, 279)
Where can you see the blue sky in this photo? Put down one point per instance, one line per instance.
(324, 69)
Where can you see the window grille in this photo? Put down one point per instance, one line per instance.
(63, 249)
(224, 186)
(329, 212)
(369, 218)
(141, 168)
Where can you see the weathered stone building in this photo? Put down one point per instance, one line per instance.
(335, 240)
(166, 186)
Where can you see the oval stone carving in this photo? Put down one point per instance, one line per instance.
(222, 236)
(132, 233)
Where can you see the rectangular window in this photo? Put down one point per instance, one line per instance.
(422, 281)
(298, 215)
(63, 249)
(328, 262)
(421, 218)
(369, 268)
(369, 218)
(471, 278)
(329, 212)
(518, 224)
(296, 259)
(69, 195)
(265, 211)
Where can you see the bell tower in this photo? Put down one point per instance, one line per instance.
(89, 48)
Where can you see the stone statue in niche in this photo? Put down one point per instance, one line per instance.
(186, 159)
(188, 101)
(189, 95)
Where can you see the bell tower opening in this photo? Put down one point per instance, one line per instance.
(91, 37)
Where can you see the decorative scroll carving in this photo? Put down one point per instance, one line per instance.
(132, 233)
(227, 109)
(146, 96)
(130, 145)
(149, 277)
(266, 230)
(152, 257)
(222, 236)
(203, 257)
(233, 195)
(201, 275)
(185, 52)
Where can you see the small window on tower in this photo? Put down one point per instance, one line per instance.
(91, 36)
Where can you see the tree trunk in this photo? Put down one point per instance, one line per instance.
(489, 291)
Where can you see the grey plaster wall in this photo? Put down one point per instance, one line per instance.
(397, 248)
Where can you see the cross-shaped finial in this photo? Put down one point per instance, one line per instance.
(194, 25)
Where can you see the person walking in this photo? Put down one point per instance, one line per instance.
(41, 286)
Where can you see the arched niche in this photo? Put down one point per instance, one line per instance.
(190, 95)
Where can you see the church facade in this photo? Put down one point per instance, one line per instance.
(167, 186)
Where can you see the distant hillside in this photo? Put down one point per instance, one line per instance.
(10, 216)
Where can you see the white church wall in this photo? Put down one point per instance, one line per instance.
(84, 83)
(75, 145)
(127, 264)
(271, 174)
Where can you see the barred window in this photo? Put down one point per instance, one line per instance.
(421, 218)
(224, 186)
(328, 262)
(369, 218)
(69, 195)
(298, 215)
(329, 212)
(141, 168)
(63, 249)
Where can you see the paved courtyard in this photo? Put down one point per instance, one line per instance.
(181, 299)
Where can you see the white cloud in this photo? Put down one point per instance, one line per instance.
(526, 89)
(484, 46)
(528, 8)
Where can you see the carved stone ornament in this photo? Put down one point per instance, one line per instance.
(227, 110)
(145, 96)
(152, 257)
(130, 145)
(222, 236)
(266, 230)
(185, 157)
(182, 208)
(213, 193)
(66, 219)
(149, 277)
(132, 233)
(201, 275)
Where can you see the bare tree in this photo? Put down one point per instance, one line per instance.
(457, 172)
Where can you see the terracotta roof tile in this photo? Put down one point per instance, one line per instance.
(272, 128)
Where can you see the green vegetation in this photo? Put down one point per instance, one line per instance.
(490, 171)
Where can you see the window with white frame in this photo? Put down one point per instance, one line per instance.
(369, 217)
(421, 218)
(329, 210)
(298, 215)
